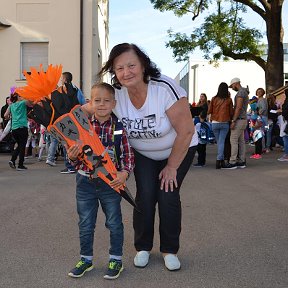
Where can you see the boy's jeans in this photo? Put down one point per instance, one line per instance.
(88, 195)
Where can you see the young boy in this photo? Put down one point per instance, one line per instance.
(202, 129)
(256, 128)
(89, 193)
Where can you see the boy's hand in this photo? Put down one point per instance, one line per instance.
(120, 179)
(73, 151)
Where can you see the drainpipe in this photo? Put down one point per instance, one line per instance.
(81, 44)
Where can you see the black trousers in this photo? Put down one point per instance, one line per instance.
(258, 146)
(20, 135)
(169, 205)
(201, 149)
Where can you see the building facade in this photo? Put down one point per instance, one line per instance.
(199, 76)
(73, 33)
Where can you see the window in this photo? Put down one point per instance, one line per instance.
(32, 55)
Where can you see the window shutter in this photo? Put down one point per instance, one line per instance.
(33, 54)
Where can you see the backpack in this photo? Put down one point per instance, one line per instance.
(80, 96)
(203, 133)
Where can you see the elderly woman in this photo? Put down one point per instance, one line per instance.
(156, 115)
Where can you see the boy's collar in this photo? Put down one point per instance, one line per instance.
(94, 119)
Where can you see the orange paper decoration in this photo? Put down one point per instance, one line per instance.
(40, 84)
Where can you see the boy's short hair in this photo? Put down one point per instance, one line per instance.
(105, 86)
(68, 77)
(203, 114)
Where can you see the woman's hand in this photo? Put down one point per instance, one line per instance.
(232, 125)
(120, 179)
(168, 178)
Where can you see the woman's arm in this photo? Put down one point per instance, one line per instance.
(7, 113)
(181, 120)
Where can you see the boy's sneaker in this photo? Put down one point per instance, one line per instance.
(115, 267)
(12, 164)
(67, 171)
(81, 267)
(22, 168)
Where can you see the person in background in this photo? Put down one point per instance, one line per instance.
(19, 126)
(3, 110)
(66, 79)
(238, 126)
(263, 113)
(42, 142)
(256, 125)
(203, 102)
(203, 138)
(33, 137)
(155, 112)
(53, 143)
(273, 113)
(284, 128)
(89, 193)
(221, 112)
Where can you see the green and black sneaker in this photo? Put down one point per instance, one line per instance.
(115, 267)
(81, 267)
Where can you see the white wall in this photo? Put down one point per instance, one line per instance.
(207, 77)
(56, 22)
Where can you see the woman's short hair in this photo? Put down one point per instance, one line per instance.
(150, 68)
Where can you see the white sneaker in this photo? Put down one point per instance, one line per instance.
(283, 158)
(50, 163)
(141, 259)
(172, 262)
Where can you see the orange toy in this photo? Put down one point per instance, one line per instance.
(74, 127)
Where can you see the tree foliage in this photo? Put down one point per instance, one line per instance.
(224, 33)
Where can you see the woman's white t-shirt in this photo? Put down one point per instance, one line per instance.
(148, 128)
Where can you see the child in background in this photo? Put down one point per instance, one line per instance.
(33, 135)
(202, 129)
(91, 192)
(256, 129)
(42, 142)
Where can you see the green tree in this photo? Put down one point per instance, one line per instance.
(224, 33)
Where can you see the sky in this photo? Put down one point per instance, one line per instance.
(139, 23)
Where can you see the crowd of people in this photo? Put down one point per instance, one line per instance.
(26, 137)
(259, 121)
(144, 122)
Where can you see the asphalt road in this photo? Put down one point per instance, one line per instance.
(234, 231)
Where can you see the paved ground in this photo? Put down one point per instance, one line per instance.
(234, 230)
